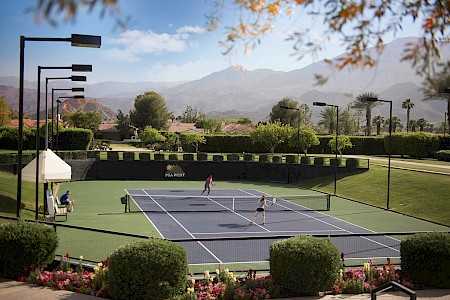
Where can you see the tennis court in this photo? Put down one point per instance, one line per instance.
(217, 229)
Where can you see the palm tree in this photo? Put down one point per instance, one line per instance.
(407, 104)
(431, 91)
(378, 120)
(328, 119)
(395, 123)
(412, 124)
(360, 103)
(421, 123)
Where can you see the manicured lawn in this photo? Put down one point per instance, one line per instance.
(422, 195)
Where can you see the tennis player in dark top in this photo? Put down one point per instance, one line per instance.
(261, 204)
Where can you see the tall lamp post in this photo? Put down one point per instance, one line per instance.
(79, 68)
(370, 99)
(77, 89)
(337, 135)
(58, 102)
(298, 128)
(76, 40)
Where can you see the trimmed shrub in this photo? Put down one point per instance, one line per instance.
(442, 155)
(352, 163)
(304, 265)
(305, 160)
(233, 157)
(65, 154)
(188, 156)
(7, 158)
(24, 245)
(333, 161)
(74, 139)
(202, 156)
(319, 161)
(144, 156)
(79, 154)
(27, 157)
(249, 157)
(426, 258)
(112, 155)
(128, 156)
(264, 158)
(276, 159)
(217, 157)
(173, 156)
(93, 154)
(417, 144)
(292, 159)
(150, 269)
(159, 156)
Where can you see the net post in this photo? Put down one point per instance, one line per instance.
(328, 202)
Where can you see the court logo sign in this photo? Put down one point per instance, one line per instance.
(174, 171)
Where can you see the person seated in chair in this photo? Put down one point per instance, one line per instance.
(66, 201)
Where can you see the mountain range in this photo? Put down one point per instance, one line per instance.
(232, 93)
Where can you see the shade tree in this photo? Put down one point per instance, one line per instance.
(271, 135)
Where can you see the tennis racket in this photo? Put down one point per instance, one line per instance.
(274, 200)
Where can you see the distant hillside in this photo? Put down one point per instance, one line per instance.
(233, 93)
(87, 104)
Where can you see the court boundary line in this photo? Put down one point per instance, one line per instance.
(240, 215)
(277, 231)
(345, 229)
(151, 222)
(181, 225)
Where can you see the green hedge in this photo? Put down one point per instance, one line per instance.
(291, 159)
(74, 139)
(7, 158)
(352, 163)
(426, 258)
(112, 155)
(93, 154)
(233, 157)
(249, 157)
(417, 144)
(188, 156)
(319, 161)
(277, 159)
(264, 158)
(217, 157)
(333, 161)
(80, 154)
(24, 244)
(159, 156)
(442, 155)
(65, 154)
(305, 160)
(9, 138)
(150, 269)
(144, 156)
(202, 156)
(173, 156)
(129, 156)
(304, 265)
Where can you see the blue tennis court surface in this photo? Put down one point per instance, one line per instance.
(220, 230)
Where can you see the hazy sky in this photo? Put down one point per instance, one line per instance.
(165, 41)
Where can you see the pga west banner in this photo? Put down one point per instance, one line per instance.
(174, 171)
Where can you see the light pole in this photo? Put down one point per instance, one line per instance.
(337, 135)
(58, 102)
(370, 99)
(77, 40)
(78, 68)
(77, 89)
(298, 128)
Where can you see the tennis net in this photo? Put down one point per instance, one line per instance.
(165, 203)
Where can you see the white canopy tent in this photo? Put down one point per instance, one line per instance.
(51, 169)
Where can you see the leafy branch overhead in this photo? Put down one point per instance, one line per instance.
(358, 25)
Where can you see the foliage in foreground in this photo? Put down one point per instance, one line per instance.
(25, 245)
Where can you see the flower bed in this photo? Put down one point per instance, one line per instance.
(223, 285)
